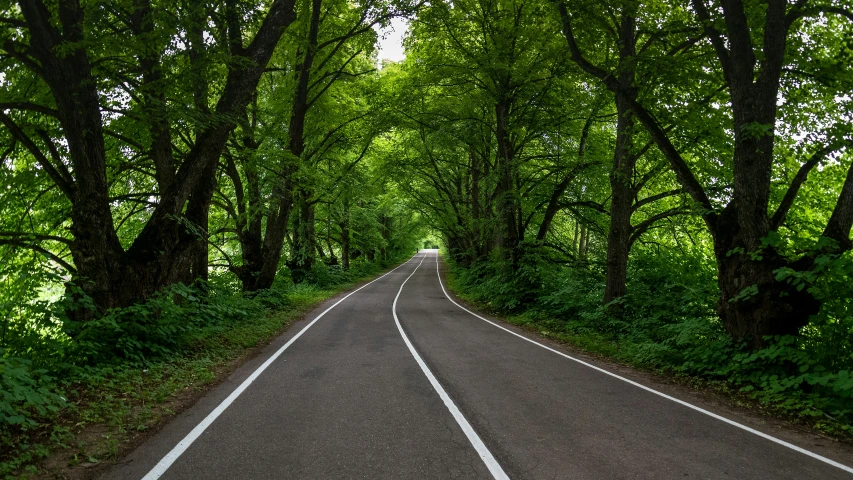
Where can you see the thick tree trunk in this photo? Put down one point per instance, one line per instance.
(618, 248)
(274, 243)
(622, 173)
(261, 257)
(617, 266)
(302, 257)
(752, 303)
(196, 232)
(200, 262)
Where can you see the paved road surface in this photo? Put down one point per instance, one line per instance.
(397, 381)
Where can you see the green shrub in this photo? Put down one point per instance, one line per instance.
(25, 393)
(166, 323)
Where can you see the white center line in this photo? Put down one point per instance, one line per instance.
(492, 464)
(191, 437)
(638, 385)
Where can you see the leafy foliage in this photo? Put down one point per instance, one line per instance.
(670, 183)
(25, 393)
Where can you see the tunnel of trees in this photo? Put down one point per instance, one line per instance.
(671, 177)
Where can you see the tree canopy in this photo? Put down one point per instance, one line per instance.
(680, 168)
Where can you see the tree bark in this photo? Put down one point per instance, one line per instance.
(622, 172)
(622, 199)
(261, 246)
(303, 234)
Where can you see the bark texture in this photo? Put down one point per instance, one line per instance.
(622, 172)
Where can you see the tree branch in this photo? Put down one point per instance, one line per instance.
(713, 35)
(595, 206)
(794, 188)
(13, 22)
(641, 228)
(57, 158)
(655, 198)
(682, 170)
(67, 188)
(30, 107)
(57, 259)
(798, 13)
(577, 55)
(19, 52)
(36, 236)
(838, 227)
(335, 77)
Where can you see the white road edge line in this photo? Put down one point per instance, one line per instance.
(485, 455)
(661, 394)
(191, 437)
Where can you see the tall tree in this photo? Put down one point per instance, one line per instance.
(750, 43)
(59, 44)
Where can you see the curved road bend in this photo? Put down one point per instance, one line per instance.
(347, 398)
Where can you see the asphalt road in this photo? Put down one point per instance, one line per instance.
(398, 381)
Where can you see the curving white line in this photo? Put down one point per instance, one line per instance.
(638, 385)
(485, 455)
(191, 437)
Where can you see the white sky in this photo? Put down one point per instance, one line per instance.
(391, 41)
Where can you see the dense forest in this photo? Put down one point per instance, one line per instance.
(667, 183)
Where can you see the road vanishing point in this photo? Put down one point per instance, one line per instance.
(398, 380)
